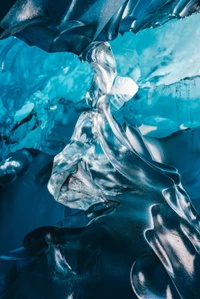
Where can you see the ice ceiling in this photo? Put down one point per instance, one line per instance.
(100, 153)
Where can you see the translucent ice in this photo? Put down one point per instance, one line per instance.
(114, 135)
(166, 69)
(74, 25)
(34, 96)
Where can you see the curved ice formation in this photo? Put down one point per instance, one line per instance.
(73, 25)
(126, 227)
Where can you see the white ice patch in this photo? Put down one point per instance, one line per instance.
(24, 112)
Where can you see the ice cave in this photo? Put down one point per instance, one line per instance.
(100, 149)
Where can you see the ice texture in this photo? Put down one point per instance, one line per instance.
(36, 90)
(164, 63)
(73, 25)
(100, 154)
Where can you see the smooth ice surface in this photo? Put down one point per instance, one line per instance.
(74, 25)
(100, 155)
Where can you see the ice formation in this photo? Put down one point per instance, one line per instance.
(99, 170)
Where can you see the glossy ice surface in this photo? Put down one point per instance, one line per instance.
(100, 153)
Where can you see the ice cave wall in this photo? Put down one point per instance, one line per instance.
(163, 65)
(133, 202)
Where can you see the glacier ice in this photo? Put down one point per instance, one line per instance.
(114, 135)
(166, 70)
(73, 25)
(39, 97)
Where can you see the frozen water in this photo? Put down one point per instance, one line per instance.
(114, 135)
